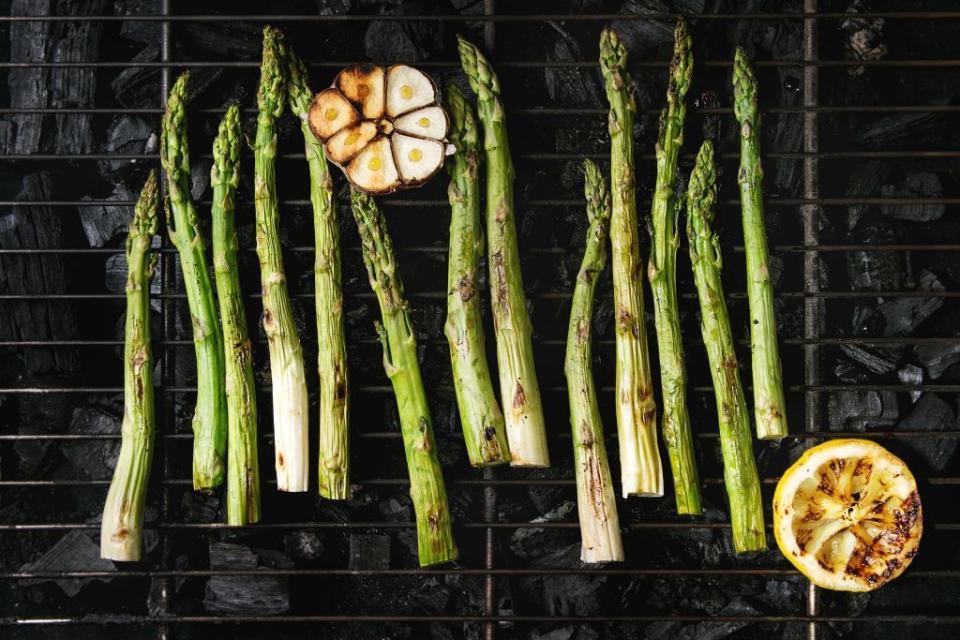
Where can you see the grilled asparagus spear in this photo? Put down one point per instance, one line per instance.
(739, 468)
(519, 393)
(121, 529)
(243, 471)
(662, 272)
(334, 467)
(641, 472)
(596, 504)
(286, 355)
(768, 403)
(210, 419)
(434, 531)
(480, 415)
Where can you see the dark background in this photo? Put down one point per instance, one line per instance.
(873, 353)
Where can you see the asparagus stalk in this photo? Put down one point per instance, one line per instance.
(641, 472)
(243, 472)
(210, 419)
(662, 272)
(334, 468)
(434, 531)
(768, 403)
(739, 468)
(483, 424)
(596, 503)
(286, 355)
(519, 393)
(121, 528)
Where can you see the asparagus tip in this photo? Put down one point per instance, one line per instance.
(702, 190)
(596, 192)
(226, 149)
(744, 87)
(463, 124)
(479, 73)
(145, 220)
(270, 96)
(681, 66)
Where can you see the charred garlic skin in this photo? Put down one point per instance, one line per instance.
(384, 127)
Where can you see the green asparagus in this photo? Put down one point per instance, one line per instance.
(519, 393)
(286, 355)
(739, 468)
(334, 467)
(121, 528)
(768, 403)
(641, 472)
(596, 503)
(243, 472)
(435, 541)
(210, 419)
(662, 272)
(483, 424)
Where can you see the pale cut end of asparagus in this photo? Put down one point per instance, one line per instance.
(290, 416)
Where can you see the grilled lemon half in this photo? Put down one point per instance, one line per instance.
(847, 515)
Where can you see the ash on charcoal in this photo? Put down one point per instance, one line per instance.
(564, 595)
(369, 552)
(877, 359)
(932, 413)
(903, 315)
(864, 182)
(102, 223)
(128, 135)
(248, 594)
(873, 270)
(94, 459)
(304, 544)
(570, 86)
(862, 410)
(911, 374)
(937, 358)
(536, 542)
(923, 184)
(916, 130)
(864, 37)
(74, 552)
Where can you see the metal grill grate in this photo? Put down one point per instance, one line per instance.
(485, 529)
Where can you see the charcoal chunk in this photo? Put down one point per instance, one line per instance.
(73, 552)
(128, 135)
(570, 86)
(401, 40)
(937, 358)
(864, 37)
(903, 315)
(924, 184)
(304, 544)
(102, 223)
(849, 410)
(932, 413)
(247, 594)
(369, 551)
(94, 459)
(564, 595)
(873, 270)
(915, 130)
(864, 181)
(878, 360)
(536, 542)
(643, 36)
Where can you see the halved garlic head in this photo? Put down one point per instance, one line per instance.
(384, 127)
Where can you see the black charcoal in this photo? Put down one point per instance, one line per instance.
(199, 506)
(570, 85)
(911, 374)
(228, 39)
(712, 122)
(903, 315)
(879, 359)
(369, 551)
(864, 182)
(564, 595)
(332, 7)
(536, 542)
(139, 87)
(582, 632)
(923, 184)
(29, 87)
(932, 413)
(643, 36)
(395, 41)
(913, 130)
(937, 357)
(105, 221)
(74, 552)
(304, 544)
(247, 594)
(128, 135)
(94, 459)
(873, 270)
(850, 410)
(864, 37)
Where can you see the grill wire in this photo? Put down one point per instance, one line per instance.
(489, 525)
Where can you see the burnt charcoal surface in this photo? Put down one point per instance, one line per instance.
(866, 283)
